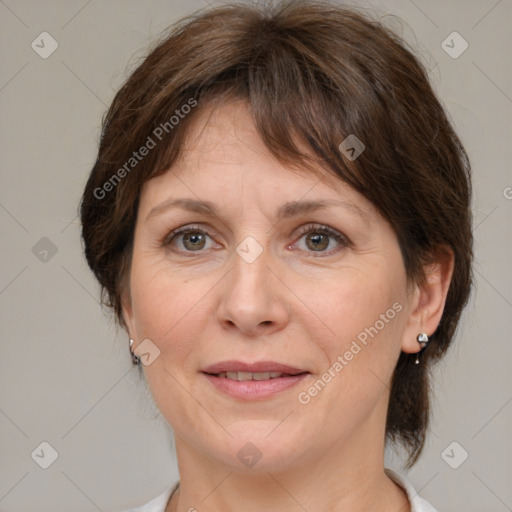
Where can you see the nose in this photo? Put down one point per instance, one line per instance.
(254, 298)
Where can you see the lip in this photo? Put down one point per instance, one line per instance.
(254, 389)
(257, 367)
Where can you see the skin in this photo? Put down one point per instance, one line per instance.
(301, 302)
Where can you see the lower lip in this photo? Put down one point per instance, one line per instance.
(254, 389)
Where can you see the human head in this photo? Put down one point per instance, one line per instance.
(312, 74)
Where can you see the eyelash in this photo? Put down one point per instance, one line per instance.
(309, 228)
(324, 230)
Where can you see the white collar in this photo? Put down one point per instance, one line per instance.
(417, 504)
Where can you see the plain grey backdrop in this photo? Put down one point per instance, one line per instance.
(66, 378)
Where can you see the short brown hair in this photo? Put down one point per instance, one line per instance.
(312, 73)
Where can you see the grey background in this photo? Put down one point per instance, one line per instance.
(65, 373)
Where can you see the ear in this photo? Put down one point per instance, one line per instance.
(127, 311)
(428, 299)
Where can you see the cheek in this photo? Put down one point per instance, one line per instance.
(356, 300)
(359, 357)
(166, 305)
(169, 310)
(364, 313)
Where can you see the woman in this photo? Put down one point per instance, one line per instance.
(279, 217)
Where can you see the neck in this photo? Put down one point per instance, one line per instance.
(388, 497)
(348, 477)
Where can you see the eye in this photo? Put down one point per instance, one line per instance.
(318, 238)
(188, 239)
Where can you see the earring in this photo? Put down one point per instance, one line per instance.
(135, 358)
(422, 339)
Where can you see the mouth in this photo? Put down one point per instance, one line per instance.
(246, 376)
(254, 381)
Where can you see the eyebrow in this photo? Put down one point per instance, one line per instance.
(287, 210)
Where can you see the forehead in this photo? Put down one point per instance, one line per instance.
(224, 134)
(224, 156)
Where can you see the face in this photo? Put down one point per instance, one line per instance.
(264, 274)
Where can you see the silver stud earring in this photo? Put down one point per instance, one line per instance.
(135, 359)
(422, 339)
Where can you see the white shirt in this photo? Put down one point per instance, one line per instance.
(418, 504)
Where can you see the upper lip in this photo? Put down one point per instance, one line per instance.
(257, 367)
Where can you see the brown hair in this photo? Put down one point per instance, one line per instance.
(312, 74)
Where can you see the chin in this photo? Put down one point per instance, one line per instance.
(260, 453)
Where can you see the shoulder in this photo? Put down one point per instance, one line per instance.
(418, 504)
(158, 503)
